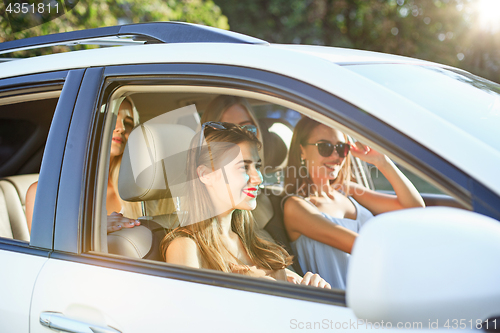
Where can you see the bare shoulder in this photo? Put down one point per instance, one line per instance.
(297, 214)
(295, 204)
(183, 251)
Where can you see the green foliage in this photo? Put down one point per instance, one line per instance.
(99, 13)
(444, 31)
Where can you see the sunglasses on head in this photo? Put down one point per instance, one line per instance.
(326, 149)
(219, 126)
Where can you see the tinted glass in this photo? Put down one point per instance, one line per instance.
(13, 134)
(467, 101)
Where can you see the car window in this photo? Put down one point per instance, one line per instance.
(13, 134)
(162, 112)
(25, 118)
(382, 184)
(466, 101)
(24, 126)
(147, 181)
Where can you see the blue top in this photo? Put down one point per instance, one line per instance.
(325, 260)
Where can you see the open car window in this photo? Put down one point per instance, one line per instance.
(148, 179)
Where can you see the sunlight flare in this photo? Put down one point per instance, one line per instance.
(489, 14)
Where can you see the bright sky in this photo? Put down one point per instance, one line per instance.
(489, 14)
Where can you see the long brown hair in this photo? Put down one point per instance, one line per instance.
(297, 179)
(206, 233)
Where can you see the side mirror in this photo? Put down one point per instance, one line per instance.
(436, 266)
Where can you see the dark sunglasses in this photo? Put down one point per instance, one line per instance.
(326, 149)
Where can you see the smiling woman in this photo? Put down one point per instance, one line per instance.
(219, 232)
(326, 210)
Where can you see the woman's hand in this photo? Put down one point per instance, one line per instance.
(367, 154)
(407, 196)
(116, 221)
(293, 277)
(315, 280)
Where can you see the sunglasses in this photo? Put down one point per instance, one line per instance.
(219, 126)
(211, 124)
(326, 149)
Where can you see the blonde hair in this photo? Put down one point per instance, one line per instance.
(129, 209)
(296, 180)
(206, 233)
(221, 103)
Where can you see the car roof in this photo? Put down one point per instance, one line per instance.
(315, 65)
(97, 57)
(345, 56)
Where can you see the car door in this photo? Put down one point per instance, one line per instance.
(81, 285)
(27, 107)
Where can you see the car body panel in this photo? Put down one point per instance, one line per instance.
(16, 288)
(42, 232)
(71, 187)
(132, 302)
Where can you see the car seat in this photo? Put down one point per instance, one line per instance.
(13, 206)
(143, 178)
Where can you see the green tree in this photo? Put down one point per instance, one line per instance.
(443, 31)
(98, 13)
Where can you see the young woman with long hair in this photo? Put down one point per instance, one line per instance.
(325, 209)
(121, 214)
(219, 232)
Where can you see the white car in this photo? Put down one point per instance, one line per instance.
(429, 268)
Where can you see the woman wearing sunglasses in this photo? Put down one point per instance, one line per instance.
(218, 232)
(326, 209)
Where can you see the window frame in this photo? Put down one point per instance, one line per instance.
(44, 83)
(325, 105)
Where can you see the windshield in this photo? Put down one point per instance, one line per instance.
(467, 101)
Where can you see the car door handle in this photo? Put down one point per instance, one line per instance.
(58, 321)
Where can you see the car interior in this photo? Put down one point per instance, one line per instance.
(25, 118)
(137, 242)
(25, 122)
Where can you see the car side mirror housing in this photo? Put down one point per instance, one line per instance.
(429, 265)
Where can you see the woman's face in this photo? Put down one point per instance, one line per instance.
(322, 168)
(237, 114)
(123, 127)
(243, 179)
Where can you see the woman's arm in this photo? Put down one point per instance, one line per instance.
(30, 203)
(406, 196)
(183, 251)
(302, 218)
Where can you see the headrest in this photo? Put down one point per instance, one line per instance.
(274, 137)
(155, 155)
(22, 183)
